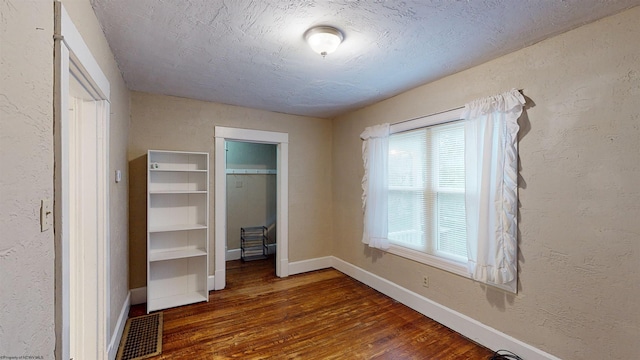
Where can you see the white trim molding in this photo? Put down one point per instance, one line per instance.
(119, 329)
(463, 324)
(222, 134)
(233, 254)
(422, 257)
(299, 267)
(138, 295)
(73, 58)
(259, 136)
(460, 323)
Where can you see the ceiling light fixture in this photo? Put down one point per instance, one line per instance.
(323, 39)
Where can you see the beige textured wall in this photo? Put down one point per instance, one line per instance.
(27, 305)
(579, 263)
(26, 154)
(27, 157)
(87, 24)
(171, 123)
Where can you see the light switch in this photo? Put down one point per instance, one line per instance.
(46, 215)
(118, 176)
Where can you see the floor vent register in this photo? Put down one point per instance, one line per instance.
(142, 338)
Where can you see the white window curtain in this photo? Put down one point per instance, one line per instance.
(375, 186)
(491, 187)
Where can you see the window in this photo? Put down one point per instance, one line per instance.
(426, 210)
(445, 192)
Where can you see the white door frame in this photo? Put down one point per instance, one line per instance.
(222, 134)
(73, 58)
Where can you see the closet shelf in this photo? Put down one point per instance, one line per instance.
(178, 170)
(175, 254)
(160, 192)
(177, 227)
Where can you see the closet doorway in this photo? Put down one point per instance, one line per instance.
(223, 135)
(251, 200)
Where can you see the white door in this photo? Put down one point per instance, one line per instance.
(83, 221)
(81, 196)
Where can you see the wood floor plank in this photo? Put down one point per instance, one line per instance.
(319, 315)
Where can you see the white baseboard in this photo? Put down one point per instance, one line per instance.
(117, 332)
(138, 295)
(303, 266)
(471, 328)
(233, 254)
(211, 282)
(271, 249)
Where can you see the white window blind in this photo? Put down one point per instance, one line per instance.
(426, 191)
(407, 167)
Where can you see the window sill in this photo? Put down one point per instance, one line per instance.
(451, 266)
(440, 263)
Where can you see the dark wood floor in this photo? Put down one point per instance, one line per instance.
(319, 315)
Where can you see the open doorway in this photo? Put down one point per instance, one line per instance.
(251, 200)
(281, 141)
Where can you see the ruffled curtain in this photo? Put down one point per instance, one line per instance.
(375, 185)
(491, 187)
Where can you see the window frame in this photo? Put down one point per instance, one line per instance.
(459, 268)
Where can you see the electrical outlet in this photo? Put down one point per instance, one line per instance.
(425, 281)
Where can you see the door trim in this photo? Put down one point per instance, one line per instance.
(72, 56)
(222, 134)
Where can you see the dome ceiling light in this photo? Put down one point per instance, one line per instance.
(323, 39)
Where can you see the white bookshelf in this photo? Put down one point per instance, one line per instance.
(177, 228)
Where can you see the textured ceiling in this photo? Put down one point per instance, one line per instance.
(252, 52)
